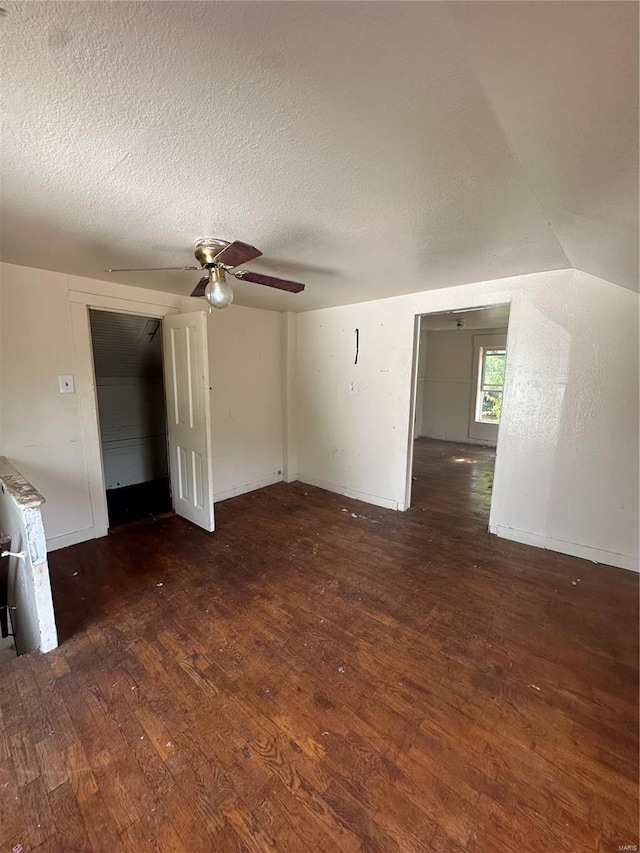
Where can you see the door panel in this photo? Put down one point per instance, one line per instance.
(186, 367)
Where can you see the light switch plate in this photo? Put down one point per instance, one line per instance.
(66, 383)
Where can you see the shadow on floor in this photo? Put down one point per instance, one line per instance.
(142, 500)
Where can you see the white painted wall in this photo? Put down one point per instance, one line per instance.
(247, 371)
(45, 433)
(41, 429)
(446, 385)
(132, 429)
(567, 454)
(566, 472)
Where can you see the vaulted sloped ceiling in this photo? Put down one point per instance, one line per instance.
(562, 79)
(368, 149)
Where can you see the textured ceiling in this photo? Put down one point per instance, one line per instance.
(563, 82)
(368, 149)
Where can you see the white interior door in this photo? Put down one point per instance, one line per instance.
(186, 367)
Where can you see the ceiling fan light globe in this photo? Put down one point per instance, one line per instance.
(218, 294)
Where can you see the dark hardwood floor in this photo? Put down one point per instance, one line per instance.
(324, 675)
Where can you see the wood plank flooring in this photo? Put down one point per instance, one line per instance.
(323, 675)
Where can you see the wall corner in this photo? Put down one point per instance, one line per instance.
(290, 433)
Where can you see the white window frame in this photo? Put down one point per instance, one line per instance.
(482, 430)
(482, 386)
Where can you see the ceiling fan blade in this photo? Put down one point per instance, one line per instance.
(237, 253)
(200, 287)
(153, 269)
(269, 281)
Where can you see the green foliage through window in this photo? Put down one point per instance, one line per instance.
(490, 385)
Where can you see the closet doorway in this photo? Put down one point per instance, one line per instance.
(127, 357)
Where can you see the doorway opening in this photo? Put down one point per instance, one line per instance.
(459, 389)
(127, 357)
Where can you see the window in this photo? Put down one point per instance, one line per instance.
(490, 384)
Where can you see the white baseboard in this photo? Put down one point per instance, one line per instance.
(54, 543)
(481, 442)
(387, 503)
(595, 555)
(246, 487)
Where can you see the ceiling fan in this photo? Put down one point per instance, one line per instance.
(217, 258)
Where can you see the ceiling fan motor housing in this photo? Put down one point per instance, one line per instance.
(207, 249)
